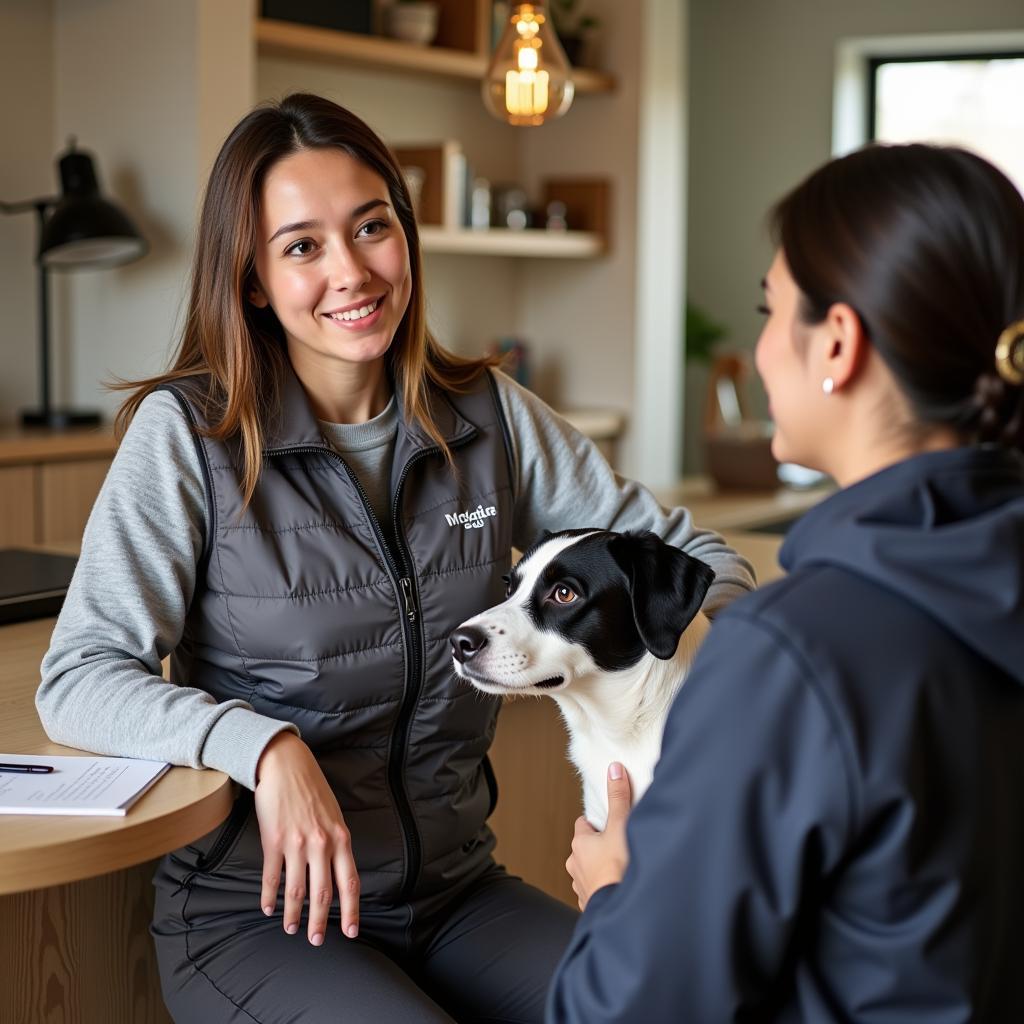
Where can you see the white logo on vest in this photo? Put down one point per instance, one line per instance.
(471, 520)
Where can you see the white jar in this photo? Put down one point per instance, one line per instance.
(414, 21)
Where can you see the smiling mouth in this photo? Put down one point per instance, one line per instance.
(353, 316)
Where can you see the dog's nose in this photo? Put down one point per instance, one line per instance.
(467, 643)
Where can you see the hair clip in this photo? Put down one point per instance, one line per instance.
(1010, 353)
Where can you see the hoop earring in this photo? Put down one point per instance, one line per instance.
(828, 385)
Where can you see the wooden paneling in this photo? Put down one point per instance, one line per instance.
(539, 794)
(17, 506)
(67, 493)
(81, 953)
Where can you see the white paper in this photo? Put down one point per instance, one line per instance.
(77, 785)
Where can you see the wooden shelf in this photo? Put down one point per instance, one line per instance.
(305, 42)
(506, 242)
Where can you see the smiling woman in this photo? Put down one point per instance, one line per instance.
(336, 272)
(327, 494)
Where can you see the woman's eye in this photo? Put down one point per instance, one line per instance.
(564, 595)
(374, 227)
(301, 248)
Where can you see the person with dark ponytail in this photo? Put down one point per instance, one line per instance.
(835, 830)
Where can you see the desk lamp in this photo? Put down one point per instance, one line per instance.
(77, 229)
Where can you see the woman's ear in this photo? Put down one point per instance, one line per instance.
(255, 294)
(845, 345)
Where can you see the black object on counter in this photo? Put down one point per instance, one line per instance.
(33, 584)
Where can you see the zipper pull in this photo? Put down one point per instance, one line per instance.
(410, 601)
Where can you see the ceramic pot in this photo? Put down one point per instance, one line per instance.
(413, 22)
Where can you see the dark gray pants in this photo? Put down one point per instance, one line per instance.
(486, 956)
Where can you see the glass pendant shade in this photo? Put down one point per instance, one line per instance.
(529, 80)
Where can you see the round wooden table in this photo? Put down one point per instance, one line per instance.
(75, 893)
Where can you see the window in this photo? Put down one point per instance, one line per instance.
(972, 100)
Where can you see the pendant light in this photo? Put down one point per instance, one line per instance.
(529, 80)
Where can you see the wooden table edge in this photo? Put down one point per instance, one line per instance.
(89, 856)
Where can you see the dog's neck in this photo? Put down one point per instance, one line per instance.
(618, 709)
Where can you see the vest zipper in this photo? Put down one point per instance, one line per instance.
(410, 698)
(410, 601)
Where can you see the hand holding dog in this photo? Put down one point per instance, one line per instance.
(600, 858)
(301, 827)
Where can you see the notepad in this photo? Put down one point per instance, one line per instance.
(77, 785)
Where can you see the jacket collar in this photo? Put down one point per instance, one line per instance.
(295, 425)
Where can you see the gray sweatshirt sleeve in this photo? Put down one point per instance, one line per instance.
(563, 482)
(101, 686)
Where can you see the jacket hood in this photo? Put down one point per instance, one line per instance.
(946, 531)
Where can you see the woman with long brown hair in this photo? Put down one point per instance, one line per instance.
(835, 830)
(300, 511)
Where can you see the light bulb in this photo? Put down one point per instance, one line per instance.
(529, 80)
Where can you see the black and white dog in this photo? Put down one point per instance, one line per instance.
(608, 625)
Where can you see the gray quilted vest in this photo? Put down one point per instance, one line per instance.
(313, 611)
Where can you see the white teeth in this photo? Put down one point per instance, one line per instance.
(355, 314)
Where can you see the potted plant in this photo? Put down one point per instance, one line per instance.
(736, 446)
(576, 31)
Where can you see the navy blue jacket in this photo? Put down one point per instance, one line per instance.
(835, 831)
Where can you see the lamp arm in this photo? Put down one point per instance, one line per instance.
(23, 206)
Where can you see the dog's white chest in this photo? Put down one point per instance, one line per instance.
(592, 758)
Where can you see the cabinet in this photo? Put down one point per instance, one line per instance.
(48, 483)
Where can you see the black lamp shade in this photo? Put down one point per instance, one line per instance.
(84, 229)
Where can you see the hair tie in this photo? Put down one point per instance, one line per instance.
(1010, 353)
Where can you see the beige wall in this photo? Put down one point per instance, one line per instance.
(761, 79)
(150, 88)
(26, 171)
(142, 84)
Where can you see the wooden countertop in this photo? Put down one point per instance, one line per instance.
(739, 510)
(20, 445)
(37, 851)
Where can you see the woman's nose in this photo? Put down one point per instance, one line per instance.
(347, 271)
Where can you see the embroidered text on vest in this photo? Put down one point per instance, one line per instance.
(471, 520)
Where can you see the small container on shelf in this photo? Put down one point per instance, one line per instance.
(413, 21)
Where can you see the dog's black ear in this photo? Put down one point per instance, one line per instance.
(666, 585)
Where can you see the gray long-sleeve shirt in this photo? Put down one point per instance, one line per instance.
(102, 688)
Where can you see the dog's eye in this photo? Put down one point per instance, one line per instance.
(563, 594)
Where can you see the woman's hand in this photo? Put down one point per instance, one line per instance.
(301, 827)
(600, 858)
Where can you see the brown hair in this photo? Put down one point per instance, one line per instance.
(926, 244)
(240, 347)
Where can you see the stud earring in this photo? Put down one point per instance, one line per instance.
(828, 385)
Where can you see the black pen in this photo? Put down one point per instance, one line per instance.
(27, 769)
